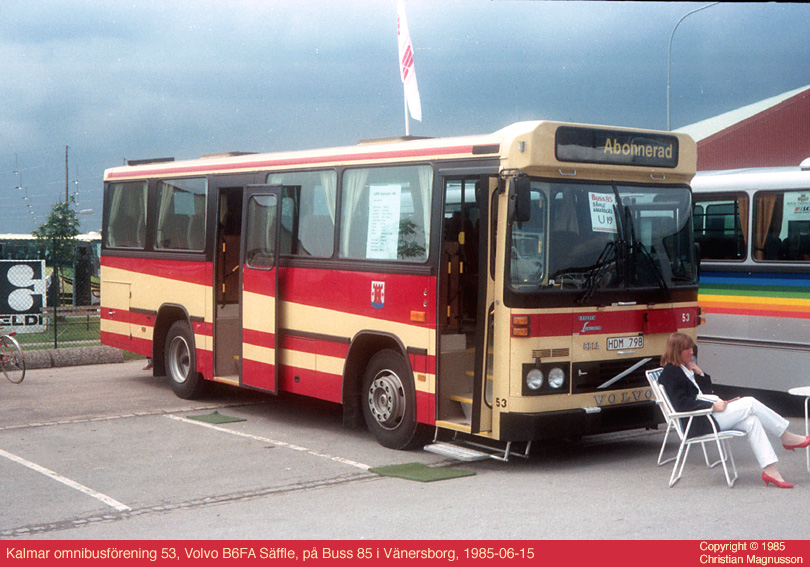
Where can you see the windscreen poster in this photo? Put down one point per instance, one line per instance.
(603, 206)
(23, 293)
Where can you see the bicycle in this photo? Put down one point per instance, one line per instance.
(12, 361)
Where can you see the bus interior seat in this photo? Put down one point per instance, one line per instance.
(719, 247)
(773, 248)
(561, 243)
(196, 233)
(317, 235)
(174, 232)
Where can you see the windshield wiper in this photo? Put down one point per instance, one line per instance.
(607, 257)
(631, 263)
(662, 282)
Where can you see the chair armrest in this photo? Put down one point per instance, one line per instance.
(692, 413)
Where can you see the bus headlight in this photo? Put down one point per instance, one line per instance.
(556, 377)
(534, 379)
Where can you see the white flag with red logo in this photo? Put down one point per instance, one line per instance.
(406, 70)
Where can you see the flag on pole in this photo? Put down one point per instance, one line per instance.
(406, 70)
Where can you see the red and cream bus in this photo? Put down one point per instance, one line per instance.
(511, 287)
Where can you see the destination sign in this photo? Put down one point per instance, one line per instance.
(591, 145)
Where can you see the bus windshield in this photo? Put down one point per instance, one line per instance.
(597, 237)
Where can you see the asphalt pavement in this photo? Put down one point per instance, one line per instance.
(108, 452)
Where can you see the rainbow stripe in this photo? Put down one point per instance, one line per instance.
(755, 294)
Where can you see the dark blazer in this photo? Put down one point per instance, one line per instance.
(683, 395)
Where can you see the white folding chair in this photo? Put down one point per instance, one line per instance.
(673, 420)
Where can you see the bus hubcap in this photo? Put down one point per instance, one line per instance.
(179, 359)
(386, 399)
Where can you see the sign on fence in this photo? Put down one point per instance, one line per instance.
(23, 294)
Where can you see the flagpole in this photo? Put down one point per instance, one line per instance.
(407, 121)
(413, 106)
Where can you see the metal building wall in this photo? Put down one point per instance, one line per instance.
(775, 137)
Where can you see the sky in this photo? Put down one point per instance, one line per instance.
(113, 80)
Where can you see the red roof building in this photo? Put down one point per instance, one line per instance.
(773, 132)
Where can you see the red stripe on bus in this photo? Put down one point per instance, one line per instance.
(278, 162)
(205, 363)
(351, 292)
(425, 408)
(260, 374)
(132, 344)
(306, 382)
(142, 319)
(195, 272)
(259, 338)
(314, 345)
(601, 323)
(203, 328)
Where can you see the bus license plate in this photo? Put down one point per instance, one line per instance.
(621, 343)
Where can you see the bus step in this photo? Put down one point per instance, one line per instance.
(456, 452)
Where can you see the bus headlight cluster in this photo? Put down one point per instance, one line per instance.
(544, 379)
(556, 378)
(534, 379)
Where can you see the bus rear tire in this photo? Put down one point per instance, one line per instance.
(181, 362)
(389, 402)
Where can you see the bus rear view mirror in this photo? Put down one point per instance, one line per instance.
(523, 198)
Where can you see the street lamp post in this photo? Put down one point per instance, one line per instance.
(669, 57)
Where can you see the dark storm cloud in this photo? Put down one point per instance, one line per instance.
(137, 79)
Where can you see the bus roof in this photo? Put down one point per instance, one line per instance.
(789, 177)
(499, 145)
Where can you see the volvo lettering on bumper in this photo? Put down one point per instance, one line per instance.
(623, 397)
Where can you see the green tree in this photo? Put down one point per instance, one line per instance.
(57, 237)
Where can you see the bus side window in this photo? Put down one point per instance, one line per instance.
(126, 217)
(386, 213)
(181, 214)
(259, 235)
(782, 225)
(720, 229)
(307, 212)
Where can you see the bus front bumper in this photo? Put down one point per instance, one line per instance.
(578, 422)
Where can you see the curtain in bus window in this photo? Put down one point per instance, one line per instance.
(127, 215)
(782, 219)
(742, 207)
(767, 226)
(314, 201)
(425, 194)
(259, 235)
(354, 183)
(181, 214)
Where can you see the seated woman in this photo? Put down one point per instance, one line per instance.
(690, 389)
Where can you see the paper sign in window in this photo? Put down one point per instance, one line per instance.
(383, 222)
(602, 207)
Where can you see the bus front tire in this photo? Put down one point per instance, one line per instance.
(181, 362)
(389, 402)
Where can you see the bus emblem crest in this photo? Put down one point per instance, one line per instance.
(378, 295)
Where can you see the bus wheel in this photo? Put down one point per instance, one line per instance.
(389, 402)
(181, 362)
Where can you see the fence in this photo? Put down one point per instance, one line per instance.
(49, 306)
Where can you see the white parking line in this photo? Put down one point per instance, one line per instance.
(66, 481)
(271, 441)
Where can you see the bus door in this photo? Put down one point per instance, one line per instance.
(483, 378)
(259, 286)
(463, 388)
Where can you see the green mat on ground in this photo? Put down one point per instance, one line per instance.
(420, 472)
(216, 417)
